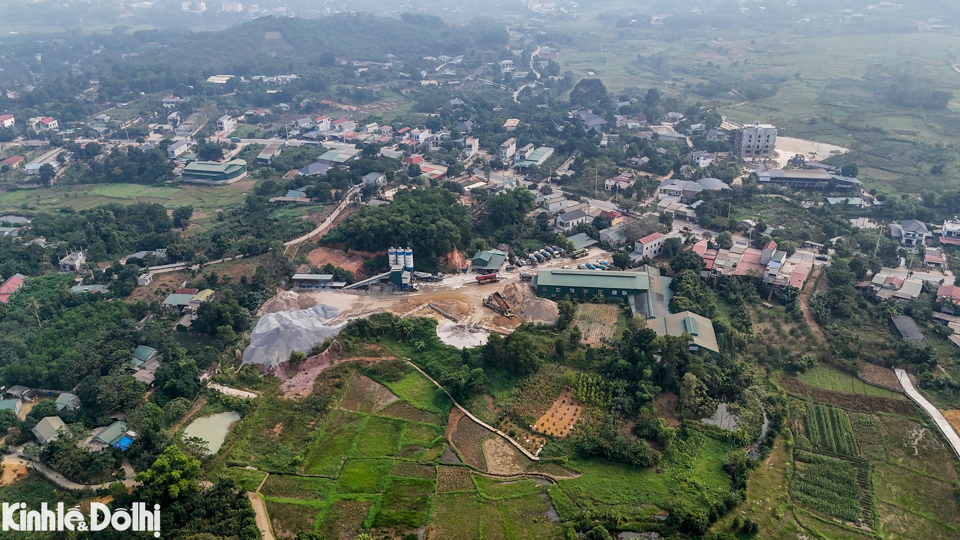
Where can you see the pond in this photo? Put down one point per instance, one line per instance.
(213, 429)
(722, 418)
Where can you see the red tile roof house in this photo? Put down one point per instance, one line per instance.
(411, 160)
(15, 162)
(9, 287)
(948, 296)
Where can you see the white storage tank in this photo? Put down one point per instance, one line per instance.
(408, 259)
(392, 256)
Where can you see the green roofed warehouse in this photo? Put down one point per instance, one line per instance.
(214, 173)
(644, 290)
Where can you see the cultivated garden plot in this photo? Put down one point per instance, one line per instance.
(597, 322)
(562, 415)
(836, 487)
(831, 379)
(828, 430)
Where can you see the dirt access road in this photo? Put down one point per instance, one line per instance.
(808, 290)
(263, 520)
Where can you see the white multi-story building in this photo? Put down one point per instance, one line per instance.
(758, 139)
(226, 124)
(508, 148)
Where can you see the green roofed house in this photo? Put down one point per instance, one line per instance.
(581, 241)
(47, 429)
(214, 173)
(11, 404)
(339, 156)
(143, 354)
(177, 301)
(112, 433)
(699, 328)
(68, 401)
(643, 289)
(488, 261)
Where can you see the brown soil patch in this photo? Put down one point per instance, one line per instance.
(953, 417)
(12, 473)
(562, 415)
(345, 519)
(468, 438)
(351, 260)
(158, 289)
(880, 376)
(503, 457)
(665, 406)
(455, 415)
(597, 322)
(277, 429)
(857, 402)
(405, 411)
(454, 479)
(366, 395)
(534, 308)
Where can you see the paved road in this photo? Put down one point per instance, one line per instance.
(63, 481)
(934, 413)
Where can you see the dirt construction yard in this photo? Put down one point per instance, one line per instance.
(563, 414)
(458, 295)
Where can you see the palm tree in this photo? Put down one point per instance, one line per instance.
(36, 310)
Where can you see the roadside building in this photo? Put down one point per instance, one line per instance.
(340, 156)
(272, 150)
(758, 140)
(11, 404)
(15, 162)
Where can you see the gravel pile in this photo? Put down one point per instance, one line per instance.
(279, 334)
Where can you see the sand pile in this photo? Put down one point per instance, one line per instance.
(535, 309)
(278, 334)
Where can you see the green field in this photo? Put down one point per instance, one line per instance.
(831, 379)
(202, 198)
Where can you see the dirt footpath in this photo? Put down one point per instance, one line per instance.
(263, 519)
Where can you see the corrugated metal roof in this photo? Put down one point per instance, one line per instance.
(594, 279)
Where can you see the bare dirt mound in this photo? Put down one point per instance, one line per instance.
(453, 262)
(665, 406)
(535, 309)
(301, 384)
(279, 334)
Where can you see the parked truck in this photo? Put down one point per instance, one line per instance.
(424, 276)
(526, 276)
(488, 278)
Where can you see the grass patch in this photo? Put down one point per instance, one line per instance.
(363, 476)
(432, 453)
(345, 518)
(405, 504)
(496, 489)
(421, 433)
(246, 479)
(869, 440)
(405, 411)
(491, 521)
(525, 517)
(416, 390)
(916, 447)
(335, 444)
(413, 470)
(379, 437)
(697, 479)
(831, 379)
(917, 494)
(288, 519)
(456, 516)
(297, 487)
